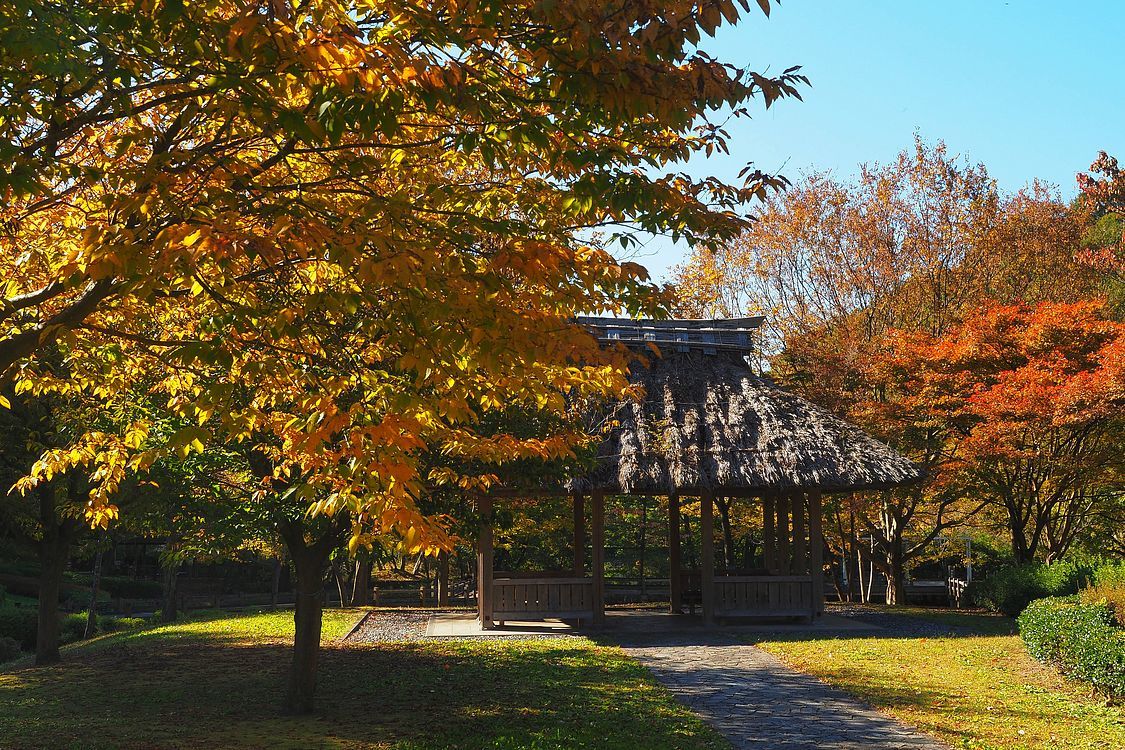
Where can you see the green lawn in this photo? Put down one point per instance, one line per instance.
(215, 683)
(981, 691)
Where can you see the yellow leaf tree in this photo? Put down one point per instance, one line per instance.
(340, 232)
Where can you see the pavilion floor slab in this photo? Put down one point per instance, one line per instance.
(465, 625)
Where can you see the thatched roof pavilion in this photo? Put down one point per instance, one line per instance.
(708, 422)
(707, 427)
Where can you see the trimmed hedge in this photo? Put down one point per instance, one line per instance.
(1078, 638)
(1010, 590)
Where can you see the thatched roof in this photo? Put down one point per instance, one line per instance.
(708, 421)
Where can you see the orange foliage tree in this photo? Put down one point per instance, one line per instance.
(837, 266)
(337, 233)
(1104, 189)
(1103, 196)
(1031, 403)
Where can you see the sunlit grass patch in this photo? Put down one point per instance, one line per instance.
(976, 688)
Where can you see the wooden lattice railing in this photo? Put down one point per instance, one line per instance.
(537, 598)
(781, 596)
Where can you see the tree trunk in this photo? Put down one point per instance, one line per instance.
(361, 586)
(170, 611)
(896, 575)
(642, 545)
(851, 561)
(306, 638)
(723, 506)
(53, 553)
(92, 610)
(311, 562)
(220, 585)
(687, 543)
(1023, 549)
(338, 574)
(442, 581)
(1019, 541)
(1020, 548)
(276, 585)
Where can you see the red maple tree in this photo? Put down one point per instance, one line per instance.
(1029, 402)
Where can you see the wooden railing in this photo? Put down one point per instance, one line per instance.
(538, 598)
(779, 596)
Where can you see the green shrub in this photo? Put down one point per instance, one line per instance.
(73, 627)
(1078, 638)
(1111, 595)
(1010, 590)
(3, 595)
(1110, 574)
(109, 624)
(21, 624)
(9, 649)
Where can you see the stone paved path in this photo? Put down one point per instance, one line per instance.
(757, 702)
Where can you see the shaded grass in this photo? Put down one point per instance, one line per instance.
(977, 688)
(216, 683)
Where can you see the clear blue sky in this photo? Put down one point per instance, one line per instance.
(1030, 88)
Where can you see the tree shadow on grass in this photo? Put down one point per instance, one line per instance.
(211, 692)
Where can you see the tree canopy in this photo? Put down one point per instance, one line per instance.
(846, 271)
(1028, 402)
(345, 230)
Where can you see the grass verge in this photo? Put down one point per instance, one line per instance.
(216, 682)
(976, 688)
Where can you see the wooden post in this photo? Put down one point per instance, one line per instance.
(675, 583)
(579, 535)
(598, 555)
(484, 563)
(800, 562)
(707, 564)
(769, 545)
(816, 552)
(782, 530)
